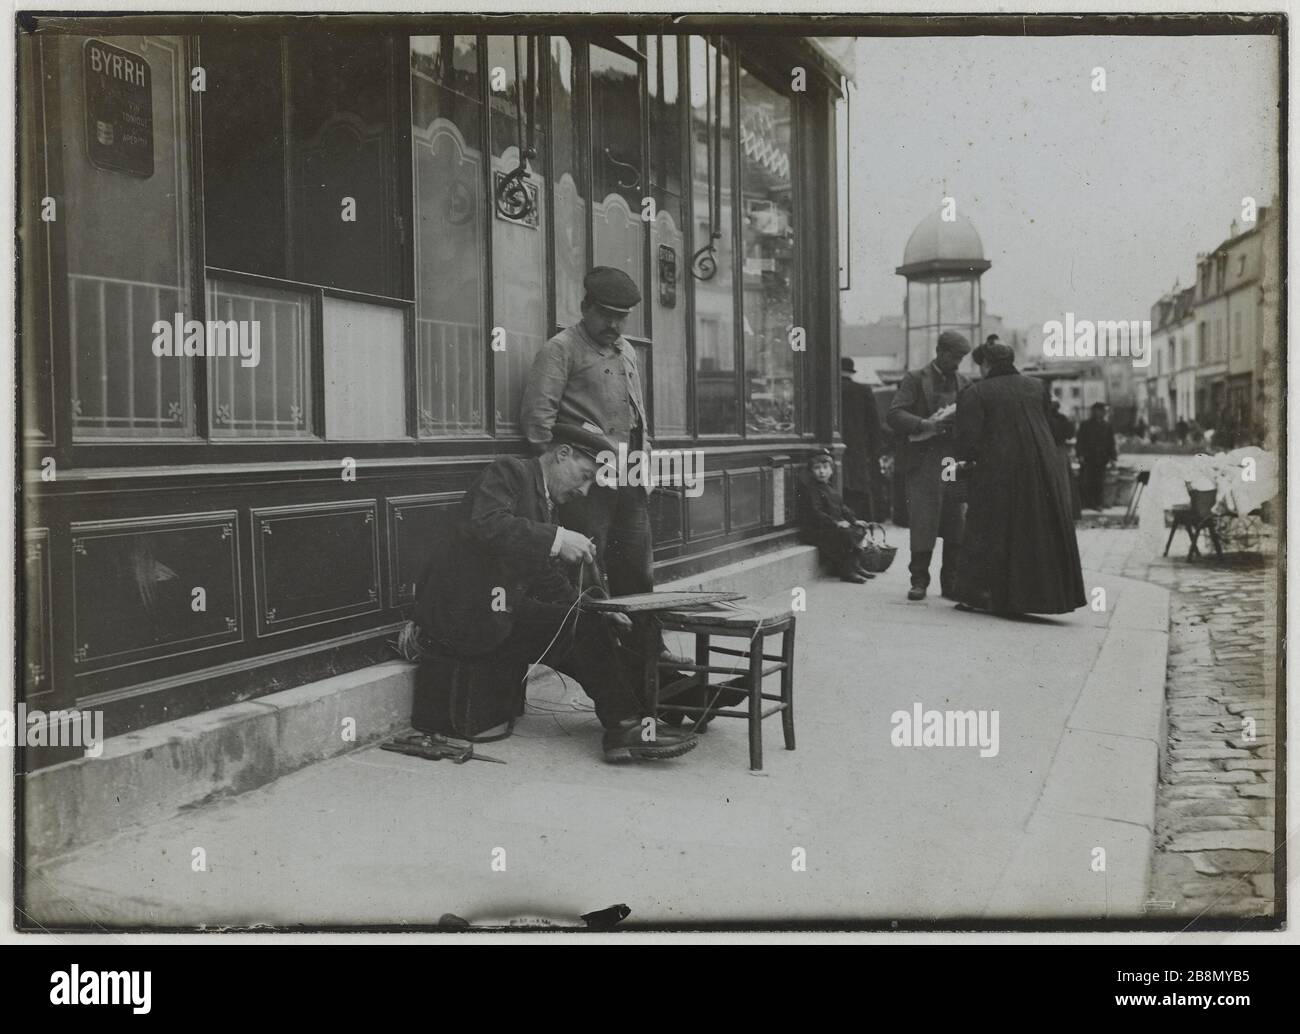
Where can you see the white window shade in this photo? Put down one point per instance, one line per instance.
(365, 396)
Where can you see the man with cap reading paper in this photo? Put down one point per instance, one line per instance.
(922, 414)
(587, 376)
(504, 583)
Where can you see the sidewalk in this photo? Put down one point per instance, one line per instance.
(888, 832)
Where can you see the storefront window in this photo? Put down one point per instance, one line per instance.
(712, 255)
(298, 157)
(519, 230)
(124, 215)
(616, 169)
(271, 399)
(567, 120)
(769, 241)
(450, 227)
(667, 241)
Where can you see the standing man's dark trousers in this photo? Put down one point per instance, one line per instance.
(1092, 484)
(618, 521)
(936, 509)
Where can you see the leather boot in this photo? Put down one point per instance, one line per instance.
(919, 566)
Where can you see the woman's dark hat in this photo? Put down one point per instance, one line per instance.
(820, 454)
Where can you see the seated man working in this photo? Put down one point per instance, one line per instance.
(503, 583)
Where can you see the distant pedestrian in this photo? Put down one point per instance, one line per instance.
(1019, 555)
(1095, 448)
(1180, 429)
(1063, 435)
(860, 426)
(922, 413)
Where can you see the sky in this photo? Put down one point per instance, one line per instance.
(1087, 202)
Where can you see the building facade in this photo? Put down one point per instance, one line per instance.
(389, 219)
(1212, 362)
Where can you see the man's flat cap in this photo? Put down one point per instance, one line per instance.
(582, 438)
(611, 289)
(954, 341)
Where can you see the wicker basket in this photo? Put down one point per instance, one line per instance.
(877, 553)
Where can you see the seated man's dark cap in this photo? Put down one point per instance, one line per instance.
(611, 289)
(591, 443)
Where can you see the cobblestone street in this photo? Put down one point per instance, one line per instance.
(1215, 806)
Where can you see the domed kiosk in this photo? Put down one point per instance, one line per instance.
(943, 262)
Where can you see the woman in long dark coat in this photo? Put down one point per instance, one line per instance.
(1020, 555)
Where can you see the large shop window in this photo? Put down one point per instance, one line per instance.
(713, 194)
(450, 225)
(769, 243)
(519, 230)
(292, 129)
(301, 188)
(568, 119)
(124, 219)
(618, 230)
(667, 238)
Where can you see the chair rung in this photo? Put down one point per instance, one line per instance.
(741, 653)
(718, 669)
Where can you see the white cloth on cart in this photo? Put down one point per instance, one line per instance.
(1225, 472)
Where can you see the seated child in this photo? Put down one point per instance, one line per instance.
(827, 523)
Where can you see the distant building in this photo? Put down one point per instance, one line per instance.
(1214, 344)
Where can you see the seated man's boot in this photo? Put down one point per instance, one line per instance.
(626, 742)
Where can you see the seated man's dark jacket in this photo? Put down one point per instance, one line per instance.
(501, 538)
(820, 507)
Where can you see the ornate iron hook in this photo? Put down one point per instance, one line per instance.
(636, 183)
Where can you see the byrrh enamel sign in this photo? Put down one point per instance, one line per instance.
(119, 109)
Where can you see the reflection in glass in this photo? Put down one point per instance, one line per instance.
(518, 232)
(570, 200)
(715, 325)
(616, 169)
(769, 241)
(446, 123)
(667, 244)
(121, 279)
(273, 398)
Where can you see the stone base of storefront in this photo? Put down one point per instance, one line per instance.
(156, 772)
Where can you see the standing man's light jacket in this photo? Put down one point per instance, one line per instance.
(577, 380)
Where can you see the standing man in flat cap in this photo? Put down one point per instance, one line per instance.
(587, 375)
(922, 413)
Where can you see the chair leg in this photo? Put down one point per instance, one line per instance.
(756, 703)
(1173, 530)
(787, 685)
(1213, 529)
(650, 666)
